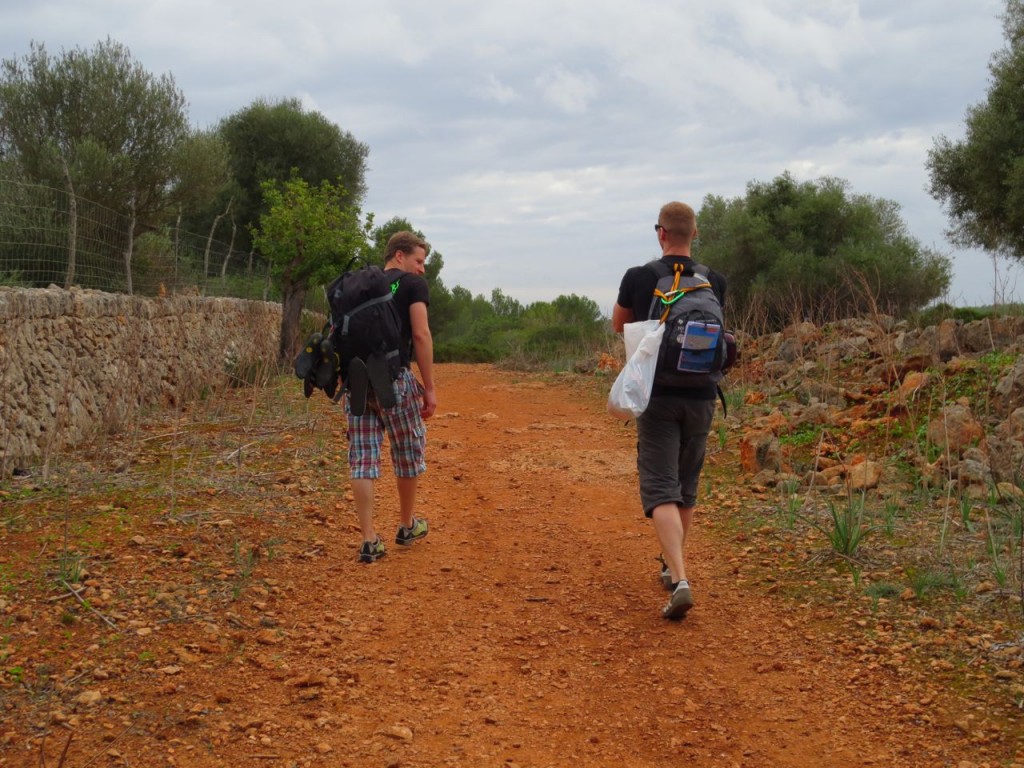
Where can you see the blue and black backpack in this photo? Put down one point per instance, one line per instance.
(696, 349)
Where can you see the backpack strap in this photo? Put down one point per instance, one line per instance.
(701, 269)
(395, 276)
(675, 293)
(364, 305)
(661, 269)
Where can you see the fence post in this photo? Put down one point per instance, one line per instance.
(69, 277)
(130, 248)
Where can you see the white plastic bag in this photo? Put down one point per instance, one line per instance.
(632, 388)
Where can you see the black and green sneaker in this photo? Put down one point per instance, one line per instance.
(326, 365)
(414, 532)
(371, 551)
(306, 360)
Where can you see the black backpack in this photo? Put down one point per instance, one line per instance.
(365, 321)
(696, 349)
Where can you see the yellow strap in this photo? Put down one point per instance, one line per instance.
(665, 299)
(673, 296)
(675, 293)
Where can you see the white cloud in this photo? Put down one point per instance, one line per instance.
(496, 91)
(533, 141)
(570, 92)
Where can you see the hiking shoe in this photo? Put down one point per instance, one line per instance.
(379, 373)
(679, 603)
(666, 578)
(326, 365)
(371, 551)
(357, 384)
(666, 575)
(331, 388)
(417, 530)
(307, 358)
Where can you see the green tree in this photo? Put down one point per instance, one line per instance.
(473, 318)
(505, 306)
(383, 233)
(542, 333)
(980, 179)
(442, 308)
(98, 125)
(309, 235)
(561, 330)
(466, 331)
(271, 142)
(793, 250)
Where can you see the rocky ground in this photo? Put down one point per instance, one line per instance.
(186, 593)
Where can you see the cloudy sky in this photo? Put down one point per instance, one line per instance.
(534, 141)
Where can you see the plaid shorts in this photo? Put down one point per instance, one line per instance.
(406, 433)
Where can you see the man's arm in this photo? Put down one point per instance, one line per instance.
(621, 316)
(423, 351)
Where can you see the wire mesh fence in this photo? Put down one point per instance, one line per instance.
(50, 237)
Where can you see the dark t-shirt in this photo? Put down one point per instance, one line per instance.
(636, 291)
(412, 289)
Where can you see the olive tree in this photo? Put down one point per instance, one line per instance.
(980, 178)
(272, 141)
(96, 124)
(309, 234)
(793, 250)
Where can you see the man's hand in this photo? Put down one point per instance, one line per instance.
(429, 404)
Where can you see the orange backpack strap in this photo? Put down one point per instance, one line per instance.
(675, 293)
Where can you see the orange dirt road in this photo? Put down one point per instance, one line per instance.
(524, 631)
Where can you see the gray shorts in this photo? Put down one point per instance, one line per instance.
(672, 437)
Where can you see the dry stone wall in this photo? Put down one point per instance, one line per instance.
(73, 362)
(882, 382)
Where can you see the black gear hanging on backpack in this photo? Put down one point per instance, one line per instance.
(365, 320)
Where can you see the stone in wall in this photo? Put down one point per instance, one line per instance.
(72, 362)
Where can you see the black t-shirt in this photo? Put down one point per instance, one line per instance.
(412, 289)
(636, 292)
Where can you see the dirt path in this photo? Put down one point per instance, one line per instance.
(524, 631)
(536, 610)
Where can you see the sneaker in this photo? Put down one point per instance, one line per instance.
(666, 578)
(679, 603)
(326, 365)
(306, 359)
(371, 551)
(417, 530)
(666, 575)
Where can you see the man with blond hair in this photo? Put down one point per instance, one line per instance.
(672, 433)
(404, 264)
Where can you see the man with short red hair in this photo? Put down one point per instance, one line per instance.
(672, 433)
